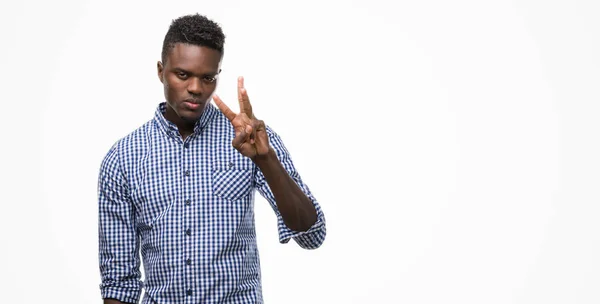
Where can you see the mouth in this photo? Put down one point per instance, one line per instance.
(192, 104)
(192, 100)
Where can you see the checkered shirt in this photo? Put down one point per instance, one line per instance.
(186, 209)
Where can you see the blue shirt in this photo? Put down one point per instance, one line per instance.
(187, 206)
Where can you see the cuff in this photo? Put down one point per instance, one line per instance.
(123, 294)
(309, 239)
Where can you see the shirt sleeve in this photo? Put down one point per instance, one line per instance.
(118, 242)
(315, 235)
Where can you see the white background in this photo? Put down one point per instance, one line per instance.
(453, 145)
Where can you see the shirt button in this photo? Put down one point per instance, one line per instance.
(188, 202)
(187, 173)
(188, 261)
(189, 292)
(186, 145)
(188, 231)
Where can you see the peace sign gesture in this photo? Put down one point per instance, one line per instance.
(251, 138)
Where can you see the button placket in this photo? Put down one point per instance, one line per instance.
(186, 155)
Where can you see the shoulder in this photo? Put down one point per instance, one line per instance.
(128, 146)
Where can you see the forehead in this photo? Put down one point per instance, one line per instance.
(193, 58)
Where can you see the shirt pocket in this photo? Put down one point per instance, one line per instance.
(232, 183)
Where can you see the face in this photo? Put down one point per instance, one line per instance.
(189, 77)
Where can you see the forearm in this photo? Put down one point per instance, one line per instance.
(296, 209)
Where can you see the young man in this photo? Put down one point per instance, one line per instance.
(180, 189)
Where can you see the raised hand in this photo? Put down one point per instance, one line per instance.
(251, 138)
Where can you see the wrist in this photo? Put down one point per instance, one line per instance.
(263, 160)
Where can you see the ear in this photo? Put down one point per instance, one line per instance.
(160, 69)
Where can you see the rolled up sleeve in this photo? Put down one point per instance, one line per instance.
(118, 242)
(313, 237)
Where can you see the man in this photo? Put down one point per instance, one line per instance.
(180, 189)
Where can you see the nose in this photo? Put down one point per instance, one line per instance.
(195, 86)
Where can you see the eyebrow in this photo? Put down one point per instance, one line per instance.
(177, 69)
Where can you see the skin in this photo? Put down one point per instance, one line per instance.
(251, 140)
(190, 73)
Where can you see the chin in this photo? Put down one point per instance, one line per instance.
(185, 113)
(191, 117)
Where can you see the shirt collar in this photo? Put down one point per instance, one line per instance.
(170, 128)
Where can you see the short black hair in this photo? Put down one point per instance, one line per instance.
(193, 29)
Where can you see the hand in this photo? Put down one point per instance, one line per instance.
(251, 138)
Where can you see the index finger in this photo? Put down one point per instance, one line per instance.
(224, 108)
(240, 86)
(245, 106)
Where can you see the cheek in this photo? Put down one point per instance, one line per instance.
(210, 88)
(173, 88)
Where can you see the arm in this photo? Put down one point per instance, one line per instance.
(280, 184)
(296, 209)
(298, 213)
(118, 241)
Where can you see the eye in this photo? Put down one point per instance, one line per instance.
(182, 75)
(210, 79)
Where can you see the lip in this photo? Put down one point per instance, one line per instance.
(192, 104)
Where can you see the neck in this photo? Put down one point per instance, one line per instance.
(184, 127)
